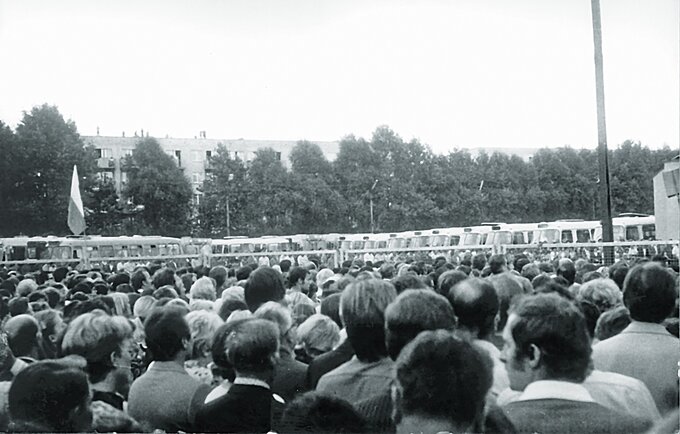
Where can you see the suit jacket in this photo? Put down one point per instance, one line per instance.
(244, 408)
(290, 377)
(647, 352)
(166, 397)
(565, 416)
(327, 362)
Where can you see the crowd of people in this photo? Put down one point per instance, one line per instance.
(478, 344)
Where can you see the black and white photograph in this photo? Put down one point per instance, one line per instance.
(340, 216)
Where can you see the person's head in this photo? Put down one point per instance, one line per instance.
(498, 264)
(408, 280)
(567, 269)
(26, 287)
(51, 323)
(530, 271)
(168, 336)
(162, 277)
(203, 289)
(478, 262)
(318, 335)
(229, 306)
(165, 291)
(252, 347)
(507, 287)
(19, 306)
(243, 273)
(618, 272)
(203, 325)
(143, 306)
(476, 305)
(448, 280)
(387, 270)
(121, 303)
(106, 342)
(139, 278)
(50, 396)
(281, 316)
(649, 292)
(264, 284)
(545, 338)
(603, 293)
(330, 306)
(219, 273)
(23, 335)
(443, 378)
(302, 311)
(612, 322)
(315, 412)
(362, 309)
(297, 277)
(412, 312)
(591, 314)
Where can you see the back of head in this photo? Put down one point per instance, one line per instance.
(203, 325)
(479, 261)
(203, 289)
(251, 346)
(566, 269)
(409, 280)
(448, 280)
(314, 412)
(530, 271)
(507, 287)
(162, 277)
(557, 327)
(475, 304)
(279, 315)
(442, 377)
(612, 322)
(296, 275)
(414, 311)
(498, 264)
(219, 273)
(330, 306)
(243, 273)
(362, 308)
(22, 334)
(264, 284)
(95, 336)
(50, 396)
(649, 292)
(603, 293)
(167, 333)
(618, 272)
(26, 286)
(318, 334)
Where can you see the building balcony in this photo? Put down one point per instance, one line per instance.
(106, 163)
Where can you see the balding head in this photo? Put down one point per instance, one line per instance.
(22, 335)
(476, 304)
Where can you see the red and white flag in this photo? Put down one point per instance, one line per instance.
(76, 213)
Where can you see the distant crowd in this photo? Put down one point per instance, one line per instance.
(477, 343)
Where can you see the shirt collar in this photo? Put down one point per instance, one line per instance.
(552, 389)
(244, 381)
(646, 327)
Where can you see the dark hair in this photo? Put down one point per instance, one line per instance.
(230, 306)
(263, 285)
(296, 274)
(497, 263)
(540, 280)
(250, 345)
(412, 312)
(165, 328)
(566, 269)
(315, 412)
(219, 273)
(409, 280)
(448, 280)
(285, 265)
(138, 278)
(46, 393)
(18, 306)
(59, 274)
(591, 313)
(618, 272)
(475, 303)
(363, 305)
(612, 322)
(53, 297)
(649, 292)
(164, 277)
(445, 377)
(519, 262)
(557, 327)
(552, 286)
(478, 261)
(330, 306)
(530, 271)
(243, 273)
(219, 352)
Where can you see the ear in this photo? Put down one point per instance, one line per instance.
(534, 357)
(396, 392)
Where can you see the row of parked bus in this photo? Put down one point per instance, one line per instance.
(75, 249)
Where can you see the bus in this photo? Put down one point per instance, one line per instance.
(565, 232)
(631, 227)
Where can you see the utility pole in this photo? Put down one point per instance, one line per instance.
(603, 163)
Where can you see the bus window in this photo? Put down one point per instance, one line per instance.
(582, 236)
(31, 253)
(122, 252)
(93, 252)
(135, 251)
(60, 252)
(632, 233)
(649, 232)
(567, 236)
(454, 240)
(106, 251)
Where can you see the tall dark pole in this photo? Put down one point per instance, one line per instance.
(605, 196)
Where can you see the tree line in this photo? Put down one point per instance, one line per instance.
(404, 183)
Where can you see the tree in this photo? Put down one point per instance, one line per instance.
(44, 152)
(268, 190)
(224, 188)
(159, 185)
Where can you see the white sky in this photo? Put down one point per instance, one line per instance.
(452, 73)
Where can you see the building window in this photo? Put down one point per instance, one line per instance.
(127, 152)
(278, 156)
(208, 155)
(123, 177)
(197, 178)
(104, 176)
(196, 156)
(104, 152)
(197, 198)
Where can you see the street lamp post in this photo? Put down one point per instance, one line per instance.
(370, 198)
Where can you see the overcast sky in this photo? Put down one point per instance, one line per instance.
(451, 73)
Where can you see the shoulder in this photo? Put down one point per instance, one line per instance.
(107, 418)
